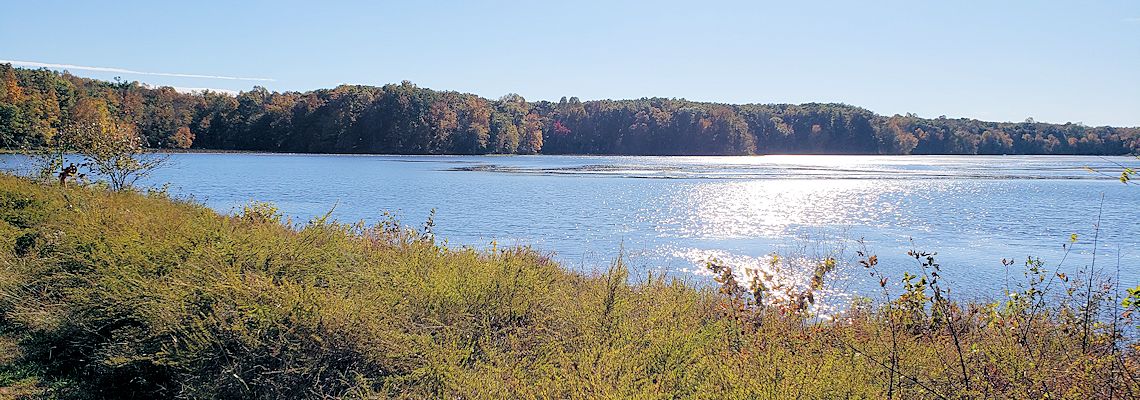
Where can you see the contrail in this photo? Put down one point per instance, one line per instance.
(127, 71)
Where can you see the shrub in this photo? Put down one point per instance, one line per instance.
(124, 295)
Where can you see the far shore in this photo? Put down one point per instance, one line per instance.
(223, 151)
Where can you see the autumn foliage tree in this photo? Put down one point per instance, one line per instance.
(183, 138)
(100, 145)
(407, 119)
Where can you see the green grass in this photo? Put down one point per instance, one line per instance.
(125, 295)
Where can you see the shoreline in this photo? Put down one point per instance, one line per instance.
(224, 151)
(206, 304)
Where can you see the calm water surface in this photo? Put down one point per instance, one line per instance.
(672, 214)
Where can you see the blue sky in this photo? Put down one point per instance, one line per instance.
(995, 60)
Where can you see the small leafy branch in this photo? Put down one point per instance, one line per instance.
(1127, 174)
(764, 291)
(1131, 302)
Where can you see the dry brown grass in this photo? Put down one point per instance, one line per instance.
(123, 295)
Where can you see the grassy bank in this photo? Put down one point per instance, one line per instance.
(124, 295)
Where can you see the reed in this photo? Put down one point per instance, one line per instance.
(132, 295)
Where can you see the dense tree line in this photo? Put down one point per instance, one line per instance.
(402, 118)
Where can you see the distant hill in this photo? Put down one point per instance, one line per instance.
(407, 119)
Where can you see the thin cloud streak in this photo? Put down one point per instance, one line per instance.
(37, 64)
(197, 90)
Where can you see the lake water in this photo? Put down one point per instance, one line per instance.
(672, 214)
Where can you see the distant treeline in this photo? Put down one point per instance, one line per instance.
(402, 118)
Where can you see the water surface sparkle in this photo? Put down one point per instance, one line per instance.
(671, 214)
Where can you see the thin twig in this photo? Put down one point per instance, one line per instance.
(1092, 273)
(888, 367)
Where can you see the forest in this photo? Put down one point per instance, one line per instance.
(36, 105)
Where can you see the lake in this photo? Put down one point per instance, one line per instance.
(673, 214)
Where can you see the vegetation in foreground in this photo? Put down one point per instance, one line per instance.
(108, 294)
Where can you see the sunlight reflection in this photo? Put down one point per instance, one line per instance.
(791, 270)
(790, 214)
(770, 207)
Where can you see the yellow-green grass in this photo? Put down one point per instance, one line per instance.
(127, 295)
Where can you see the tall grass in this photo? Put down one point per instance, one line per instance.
(125, 295)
